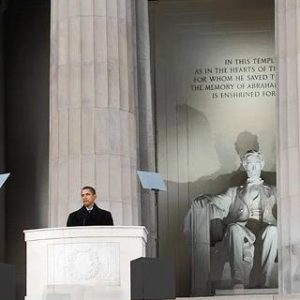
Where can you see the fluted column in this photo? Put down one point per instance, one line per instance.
(288, 53)
(93, 107)
(146, 123)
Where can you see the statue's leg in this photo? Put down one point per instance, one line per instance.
(234, 239)
(269, 238)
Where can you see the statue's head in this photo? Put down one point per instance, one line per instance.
(253, 163)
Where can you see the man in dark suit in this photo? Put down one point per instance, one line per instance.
(89, 214)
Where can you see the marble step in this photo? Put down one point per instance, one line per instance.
(245, 295)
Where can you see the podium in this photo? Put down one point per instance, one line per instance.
(82, 263)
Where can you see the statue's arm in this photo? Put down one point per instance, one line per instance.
(223, 201)
(201, 201)
(270, 212)
(218, 205)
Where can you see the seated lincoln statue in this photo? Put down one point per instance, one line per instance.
(248, 216)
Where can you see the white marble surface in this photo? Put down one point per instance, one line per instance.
(85, 263)
(287, 47)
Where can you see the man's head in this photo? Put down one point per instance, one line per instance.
(88, 196)
(253, 163)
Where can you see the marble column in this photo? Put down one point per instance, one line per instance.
(146, 123)
(287, 17)
(93, 107)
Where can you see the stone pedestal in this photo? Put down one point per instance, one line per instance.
(85, 263)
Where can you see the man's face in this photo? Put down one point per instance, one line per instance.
(253, 167)
(88, 198)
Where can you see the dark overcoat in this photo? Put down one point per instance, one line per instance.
(97, 216)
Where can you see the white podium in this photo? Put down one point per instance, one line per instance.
(82, 263)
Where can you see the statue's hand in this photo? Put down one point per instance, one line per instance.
(243, 213)
(201, 202)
